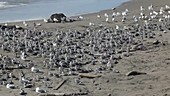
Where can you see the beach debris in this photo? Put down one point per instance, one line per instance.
(60, 84)
(138, 47)
(84, 75)
(134, 73)
(56, 18)
(65, 94)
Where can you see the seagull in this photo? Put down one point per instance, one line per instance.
(118, 14)
(160, 19)
(17, 26)
(117, 27)
(22, 92)
(33, 69)
(123, 19)
(25, 24)
(126, 10)
(169, 12)
(124, 13)
(150, 7)
(107, 20)
(28, 85)
(45, 20)
(113, 19)
(55, 20)
(167, 7)
(10, 86)
(23, 56)
(38, 90)
(24, 80)
(161, 9)
(98, 16)
(141, 8)
(154, 12)
(38, 24)
(91, 24)
(113, 8)
(109, 65)
(160, 12)
(106, 15)
(6, 24)
(113, 14)
(80, 17)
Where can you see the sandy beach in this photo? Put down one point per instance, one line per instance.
(151, 60)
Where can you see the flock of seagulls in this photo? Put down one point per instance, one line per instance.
(68, 52)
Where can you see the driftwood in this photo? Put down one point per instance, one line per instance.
(65, 94)
(89, 75)
(60, 84)
(134, 73)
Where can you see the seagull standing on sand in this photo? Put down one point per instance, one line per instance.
(17, 26)
(126, 10)
(38, 90)
(6, 24)
(117, 27)
(55, 19)
(113, 19)
(123, 19)
(141, 8)
(109, 65)
(91, 24)
(10, 86)
(80, 17)
(25, 24)
(124, 13)
(33, 69)
(45, 20)
(98, 16)
(23, 56)
(150, 7)
(22, 92)
(167, 7)
(107, 20)
(106, 15)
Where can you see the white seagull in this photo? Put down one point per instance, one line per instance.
(10, 86)
(33, 69)
(25, 24)
(107, 20)
(45, 20)
(98, 16)
(106, 15)
(38, 90)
